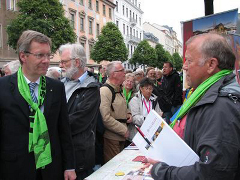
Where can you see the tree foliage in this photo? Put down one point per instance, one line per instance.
(144, 54)
(45, 16)
(161, 56)
(110, 45)
(177, 61)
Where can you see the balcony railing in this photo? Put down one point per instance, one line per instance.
(133, 39)
(133, 21)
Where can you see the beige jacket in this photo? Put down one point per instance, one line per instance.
(115, 130)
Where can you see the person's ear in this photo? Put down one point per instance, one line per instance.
(212, 66)
(77, 62)
(23, 57)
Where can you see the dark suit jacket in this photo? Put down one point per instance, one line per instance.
(15, 160)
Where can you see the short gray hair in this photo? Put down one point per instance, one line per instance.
(111, 67)
(77, 52)
(25, 40)
(13, 66)
(216, 46)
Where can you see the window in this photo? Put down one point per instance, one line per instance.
(81, 23)
(104, 10)
(130, 31)
(90, 4)
(110, 13)
(123, 9)
(127, 12)
(133, 15)
(90, 26)
(83, 44)
(136, 18)
(72, 19)
(130, 13)
(116, 6)
(97, 6)
(133, 32)
(127, 31)
(117, 23)
(140, 36)
(137, 34)
(11, 5)
(123, 28)
(98, 29)
(140, 21)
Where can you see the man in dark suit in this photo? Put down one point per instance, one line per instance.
(35, 139)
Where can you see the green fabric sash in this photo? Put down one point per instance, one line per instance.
(127, 95)
(39, 141)
(100, 78)
(198, 93)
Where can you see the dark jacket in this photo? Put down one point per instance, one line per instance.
(170, 91)
(212, 130)
(83, 110)
(15, 160)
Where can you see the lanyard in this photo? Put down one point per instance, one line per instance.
(148, 109)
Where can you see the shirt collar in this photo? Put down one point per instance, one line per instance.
(28, 81)
(83, 77)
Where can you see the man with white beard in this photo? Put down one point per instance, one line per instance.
(83, 99)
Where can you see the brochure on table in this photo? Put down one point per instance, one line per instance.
(167, 146)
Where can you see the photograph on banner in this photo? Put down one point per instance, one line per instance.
(224, 22)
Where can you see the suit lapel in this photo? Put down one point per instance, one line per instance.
(48, 98)
(22, 104)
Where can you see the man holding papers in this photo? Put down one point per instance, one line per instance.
(212, 113)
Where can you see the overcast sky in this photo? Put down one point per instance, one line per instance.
(172, 12)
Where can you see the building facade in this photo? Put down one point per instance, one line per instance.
(87, 17)
(166, 36)
(8, 11)
(128, 18)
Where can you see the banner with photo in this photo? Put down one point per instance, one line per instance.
(236, 49)
(224, 22)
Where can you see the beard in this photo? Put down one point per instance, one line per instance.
(71, 71)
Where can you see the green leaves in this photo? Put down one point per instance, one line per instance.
(144, 54)
(110, 45)
(177, 61)
(45, 16)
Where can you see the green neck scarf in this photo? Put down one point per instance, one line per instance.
(127, 95)
(198, 93)
(100, 77)
(39, 141)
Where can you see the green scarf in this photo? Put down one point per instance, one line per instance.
(127, 95)
(100, 77)
(198, 93)
(39, 141)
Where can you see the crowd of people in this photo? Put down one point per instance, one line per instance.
(67, 124)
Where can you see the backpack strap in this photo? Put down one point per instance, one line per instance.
(113, 93)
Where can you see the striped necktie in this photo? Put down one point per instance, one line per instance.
(32, 87)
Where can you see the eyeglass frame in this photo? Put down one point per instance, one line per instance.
(121, 70)
(37, 55)
(65, 61)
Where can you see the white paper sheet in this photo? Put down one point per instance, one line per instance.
(167, 147)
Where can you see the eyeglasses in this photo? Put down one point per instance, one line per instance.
(41, 55)
(121, 70)
(148, 88)
(64, 61)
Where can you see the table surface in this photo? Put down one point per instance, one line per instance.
(120, 163)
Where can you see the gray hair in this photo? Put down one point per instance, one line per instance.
(111, 67)
(77, 52)
(129, 75)
(216, 46)
(25, 40)
(13, 66)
